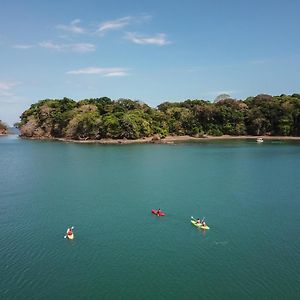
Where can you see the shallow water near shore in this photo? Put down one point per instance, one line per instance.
(247, 192)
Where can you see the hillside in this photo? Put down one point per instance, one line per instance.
(103, 118)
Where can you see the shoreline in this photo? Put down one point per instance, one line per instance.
(167, 139)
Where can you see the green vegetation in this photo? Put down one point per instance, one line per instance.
(124, 118)
(3, 128)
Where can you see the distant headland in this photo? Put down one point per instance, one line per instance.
(107, 121)
(3, 128)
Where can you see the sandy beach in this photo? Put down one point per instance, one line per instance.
(171, 139)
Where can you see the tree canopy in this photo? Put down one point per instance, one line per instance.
(100, 118)
(3, 128)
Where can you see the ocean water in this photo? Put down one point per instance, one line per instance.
(249, 194)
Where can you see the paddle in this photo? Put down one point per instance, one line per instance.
(196, 220)
(66, 235)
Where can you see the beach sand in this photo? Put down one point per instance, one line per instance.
(172, 139)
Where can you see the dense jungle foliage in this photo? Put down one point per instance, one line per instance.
(124, 118)
(3, 128)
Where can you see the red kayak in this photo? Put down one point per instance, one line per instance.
(160, 214)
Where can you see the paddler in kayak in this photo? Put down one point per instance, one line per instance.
(198, 221)
(203, 223)
(69, 231)
(158, 212)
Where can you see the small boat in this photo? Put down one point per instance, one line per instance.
(159, 214)
(259, 140)
(70, 236)
(199, 225)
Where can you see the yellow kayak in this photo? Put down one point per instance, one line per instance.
(199, 225)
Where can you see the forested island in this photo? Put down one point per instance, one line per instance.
(3, 128)
(103, 118)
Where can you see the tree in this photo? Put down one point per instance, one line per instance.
(3, 128)
(84, 126)
(221, 97)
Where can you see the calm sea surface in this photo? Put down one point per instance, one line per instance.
(249, 194)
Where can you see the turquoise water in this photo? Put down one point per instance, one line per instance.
(248, 193)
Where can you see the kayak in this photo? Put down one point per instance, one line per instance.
(71, 236)
(161, 214)
(199, 225)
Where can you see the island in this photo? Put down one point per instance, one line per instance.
(104, 120)
(3, 128)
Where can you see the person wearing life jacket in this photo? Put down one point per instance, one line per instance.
(158, 212)
(70, 231)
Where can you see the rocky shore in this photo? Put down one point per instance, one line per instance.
(168, 139)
